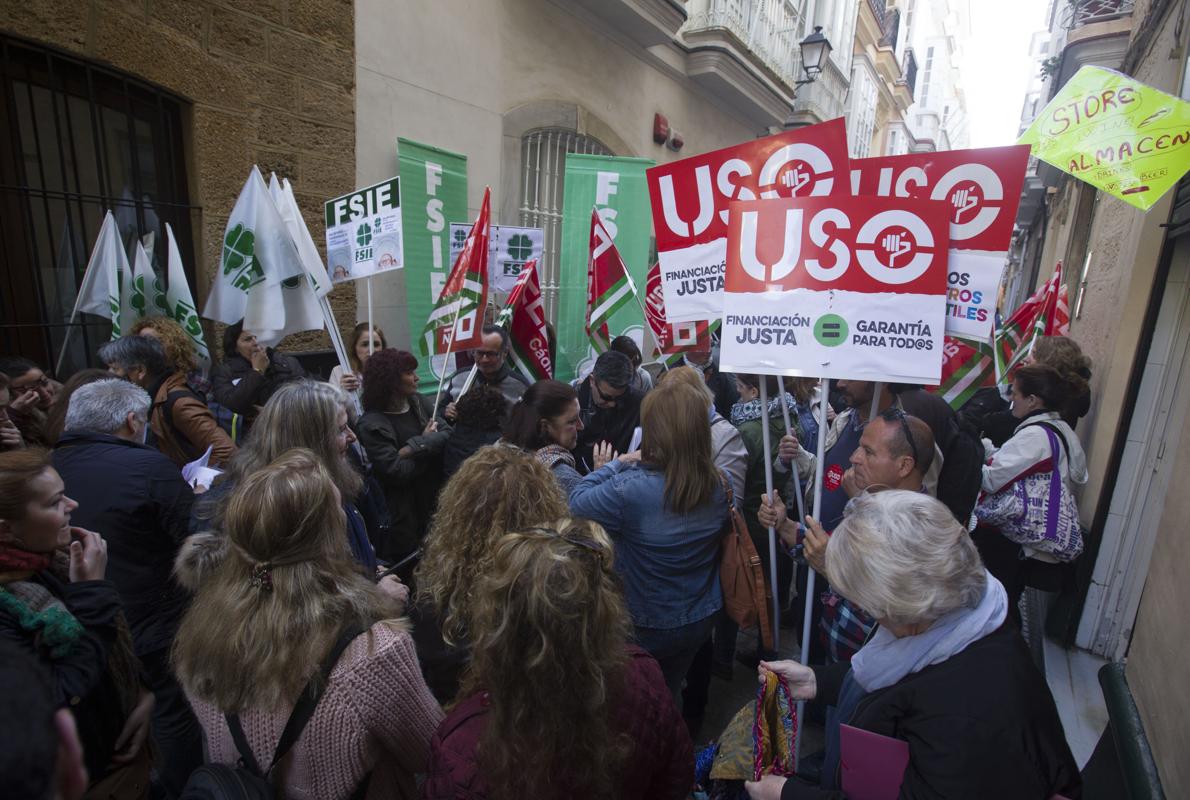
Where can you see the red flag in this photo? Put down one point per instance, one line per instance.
(465, 295)
(671, 337)
(608, 285)
(529, 337)
(1046, 313)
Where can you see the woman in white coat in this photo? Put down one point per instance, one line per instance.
(1038, 394)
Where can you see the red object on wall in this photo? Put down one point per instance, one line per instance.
(660, 128)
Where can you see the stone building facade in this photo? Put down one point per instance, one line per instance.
(267, 82)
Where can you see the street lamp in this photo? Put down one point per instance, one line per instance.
(816, 49)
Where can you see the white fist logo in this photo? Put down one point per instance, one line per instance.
(896, 246)
(795, 179)
(963, 200)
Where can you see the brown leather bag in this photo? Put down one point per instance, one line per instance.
(746, 596)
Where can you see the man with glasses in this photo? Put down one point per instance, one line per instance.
(491, 361)
(609, 408)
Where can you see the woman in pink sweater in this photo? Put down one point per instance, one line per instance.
(267, 614)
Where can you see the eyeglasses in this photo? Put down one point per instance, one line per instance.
(601, 397)
(547, 533)
(487, 353)
(891, 414)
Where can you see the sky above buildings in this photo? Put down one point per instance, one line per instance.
(996, 66)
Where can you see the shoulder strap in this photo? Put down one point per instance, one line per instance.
(1049, 426)
(303, 710)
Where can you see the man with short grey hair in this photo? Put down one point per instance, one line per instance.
(137, 498)
(113, 407)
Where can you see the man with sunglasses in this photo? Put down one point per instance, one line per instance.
(609, 408)
(491, 360)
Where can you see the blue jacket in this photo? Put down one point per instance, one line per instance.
(669, 562)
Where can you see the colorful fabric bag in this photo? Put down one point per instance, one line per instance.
(1037, 510)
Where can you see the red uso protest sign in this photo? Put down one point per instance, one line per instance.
(836, 287)
(690, 199)
(981, 189)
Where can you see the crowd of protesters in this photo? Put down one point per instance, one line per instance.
(510, 590)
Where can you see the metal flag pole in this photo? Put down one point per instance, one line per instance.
(877, 389)
(768, 488)
(804, 656)
(797, 479)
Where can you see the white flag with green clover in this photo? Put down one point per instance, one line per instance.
(99, 292)
(179, 301)
(148, 296)
(282, 194)
(261, 278)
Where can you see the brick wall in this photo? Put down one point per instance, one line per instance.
(271, 82)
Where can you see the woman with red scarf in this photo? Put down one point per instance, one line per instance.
(60, 609)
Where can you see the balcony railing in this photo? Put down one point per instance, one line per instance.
(771, 29)
(1087, 12)
(909, 70)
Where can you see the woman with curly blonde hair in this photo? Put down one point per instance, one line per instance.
(179, 349)
(497, 490)
(268, 614)
(558, 705)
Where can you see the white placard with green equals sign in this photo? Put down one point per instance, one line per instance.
(363, 232)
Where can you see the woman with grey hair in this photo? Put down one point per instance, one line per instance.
(942, 671)
(303, 414)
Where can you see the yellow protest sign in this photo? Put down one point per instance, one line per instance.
(1117, 134)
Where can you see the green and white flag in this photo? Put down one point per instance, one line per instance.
(148, 296)
(99, 292)
(616, 187)
(433, 191)
(261, 278)
(179, 302)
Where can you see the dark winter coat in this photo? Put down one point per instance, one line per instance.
(411, 482)
(660, 765)
(236, 385)
(613, 425)
(83, 681)
(981, 725)
(137, 499)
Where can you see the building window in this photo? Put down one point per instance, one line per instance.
(76, 140)
(925, 77)
(543, 167)
(862, 115)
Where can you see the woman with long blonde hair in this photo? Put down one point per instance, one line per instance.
(497, 490)
(264, 618)
(558, 705)
(666, 508)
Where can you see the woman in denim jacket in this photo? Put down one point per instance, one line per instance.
(665, 507)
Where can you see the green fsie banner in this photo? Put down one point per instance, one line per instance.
(433, 191)
(615, 186)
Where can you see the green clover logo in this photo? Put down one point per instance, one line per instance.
(138, 294)
(363, 234)
(460, 236)
(239, 249)
(520, 247)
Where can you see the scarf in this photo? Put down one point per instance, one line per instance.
(747, 411)
(14, 559)
(553, 453)
(885, 659)
(39, 612)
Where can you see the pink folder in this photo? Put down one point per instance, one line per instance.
(872, 765)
